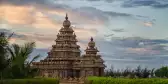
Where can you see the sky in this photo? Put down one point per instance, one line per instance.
(127, 33)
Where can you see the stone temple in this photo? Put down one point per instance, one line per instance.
(65, 59)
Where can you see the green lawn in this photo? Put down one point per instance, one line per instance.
(31, 81)
(109, 80)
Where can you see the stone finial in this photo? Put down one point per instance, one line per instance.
(66, 18)
(66, 23)
(91, 44)
(91, 39)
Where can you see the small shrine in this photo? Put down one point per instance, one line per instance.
(65, 59)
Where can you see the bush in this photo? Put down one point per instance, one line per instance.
(162, 72)
(31, 81)
(109, 80)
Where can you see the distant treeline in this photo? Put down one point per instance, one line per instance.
(138, 72)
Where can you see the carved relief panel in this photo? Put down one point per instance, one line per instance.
(90, 73)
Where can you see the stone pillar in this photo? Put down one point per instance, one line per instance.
(66, 74)
(57, 73)
(96, 72)
(74, 73)
(82, 73)
(60, 73)
(86, 73)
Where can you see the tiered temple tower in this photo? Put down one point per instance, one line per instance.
(93, 63)
(64, 58)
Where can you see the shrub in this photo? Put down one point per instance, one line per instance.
(109, 80)
(162, 72)
(31, 81)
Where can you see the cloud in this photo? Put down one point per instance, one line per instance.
(21, 15)
(146, 20)
(134, 3)
(81, 33)
(33, 12)
(93, 0)
(141, 46)
(152, 3)
(118, 30)
(108, 1)
(161, 6)
(132, 46)
(45, 14)
(117, 14)
(14, 35)
(148, 24)
(24, 15)
(37, 3)
(134, 41)
(40, 18)
(98, 12)
(5, 30)
(109, 35)
(142, 51)
(23, 2)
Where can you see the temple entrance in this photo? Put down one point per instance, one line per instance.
(74, 73)
(77, 73)
(70, 73)
(100, 71)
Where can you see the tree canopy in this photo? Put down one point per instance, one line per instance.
(14, 61)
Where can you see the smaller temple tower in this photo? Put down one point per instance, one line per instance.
(93, 63)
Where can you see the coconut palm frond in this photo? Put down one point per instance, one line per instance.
(34, 59)
(14, 50)
(27, 49)
(10, 36)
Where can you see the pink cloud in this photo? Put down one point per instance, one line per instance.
(148, 24)
(12, 40)
(142, 51)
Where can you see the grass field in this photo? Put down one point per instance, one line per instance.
(109, 80)
(31, 81)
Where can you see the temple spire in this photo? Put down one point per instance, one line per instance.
(66, 22)
(91, 39)
(91, 44)
(66, 16)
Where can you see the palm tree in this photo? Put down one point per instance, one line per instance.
(4, 61)
(20, 66)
